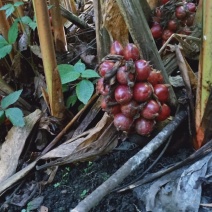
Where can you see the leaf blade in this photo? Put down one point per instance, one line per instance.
(5, 50)
(13, 33)
(15, 115)
(89, 73)
(10, 99)
(79, 67)
(84, 90)
(3, 41)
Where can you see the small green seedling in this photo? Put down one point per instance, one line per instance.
(81, 78)
(84, 193)
(14, 114)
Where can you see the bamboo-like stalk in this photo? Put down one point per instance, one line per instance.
(59, 33)
(205, 71)
(49, 59)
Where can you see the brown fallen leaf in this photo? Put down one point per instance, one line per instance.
(14, 144)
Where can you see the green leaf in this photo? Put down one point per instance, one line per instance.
(10, 99)
(15, 115)
(67, 74)
(89, 73)
(13, 33)
(26, 19)
(71, 100)
(2, 116)
(79, 67)
(84, 90)
(33, 25)
(5, 50)
(3, 41)
(64, 88)
(18, 3)
(6, 6)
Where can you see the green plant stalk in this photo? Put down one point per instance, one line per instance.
(49, 59)
(59, 33)
(205, 68)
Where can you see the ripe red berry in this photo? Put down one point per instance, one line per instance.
(105, 67)
(166, 34)
(113, 110)
(164, 113)
(131, 52)
(163, 1)
(156, 31)
(151, 110)
(172, 25)
(155, 77)
(162, 92)
(142, 91)
(180, 12)
(144, 126)
(130, 109)
(142, 69)
(101, 88)
(191, 7)
(122, 122)
(123, 94)
(116, 48)
(123, 77)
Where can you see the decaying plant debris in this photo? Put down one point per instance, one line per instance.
(57, 137)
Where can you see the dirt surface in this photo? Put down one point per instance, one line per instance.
(72, 183)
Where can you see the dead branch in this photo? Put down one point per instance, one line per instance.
(95, 197)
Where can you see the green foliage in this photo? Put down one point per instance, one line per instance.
(80, 77)
(84, 193)
(10, 8)
(14, 114)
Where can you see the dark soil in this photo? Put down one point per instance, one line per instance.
(72, 183)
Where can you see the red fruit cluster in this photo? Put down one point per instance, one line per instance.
(132, 91)
(173, 17)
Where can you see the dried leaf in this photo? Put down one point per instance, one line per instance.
(14, 144)
(114, 22)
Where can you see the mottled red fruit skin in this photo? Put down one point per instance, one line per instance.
(172, 25)
(164, 113)
(156, 31)
(190, 19)
(180, 12)
(164, 1)
(155, 77)
(105, 67)
(122, 122)
(130, 109)
(114, 110)
(142, 91)
(144, 126)
(191, 7)
(131, 52)
(162, 92)
(142, 70)
(116, 48)
(123, 94)
(166, 34)
(122, 76)
(151, 110)
(101, 88)
(185, 30)
(103, 103)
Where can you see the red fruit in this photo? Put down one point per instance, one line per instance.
(180, 12)
(131, 52)
(155, 77)
(190, 19)
(103, 103)
(164, 113)
(122, 122)
(123, 76)
(172, 25)
(151, 110)
(142, 91)
(156, 31)
(123, 94)
(142, 70)
(144, 126)
(101, 88)
(114, 110)
(130, 109)
(191, 7)
(158, 12)
(105, 67)
(166, 34)
(116, 48)
(164, 1)
(162, 92)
